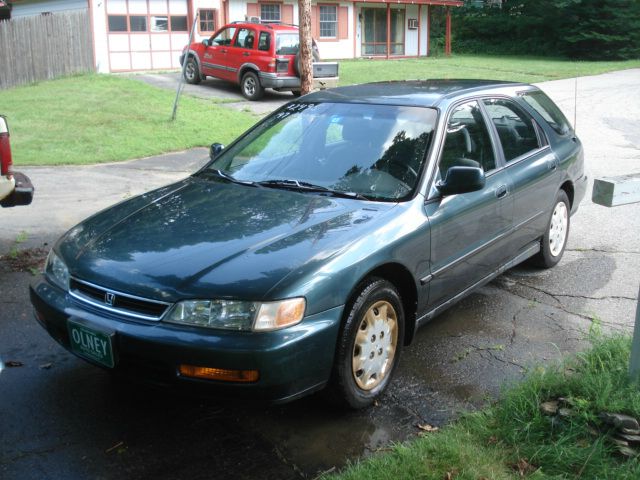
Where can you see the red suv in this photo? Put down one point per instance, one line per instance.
(15, 187)
(256, 56)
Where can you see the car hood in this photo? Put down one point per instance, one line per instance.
(204, 238)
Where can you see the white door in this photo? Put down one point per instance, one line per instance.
(146, 34)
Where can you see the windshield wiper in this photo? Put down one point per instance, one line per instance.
(226, 176)
(310, 187)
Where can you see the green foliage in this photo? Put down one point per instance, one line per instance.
(515, 439)
(581, 29)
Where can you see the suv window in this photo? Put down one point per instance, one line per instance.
(548, 110)
(224, 37)
(264, 41)
(468, 143)
(515, 128)
(245, 38)
(287, 43)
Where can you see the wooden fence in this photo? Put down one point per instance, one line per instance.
(44, 47)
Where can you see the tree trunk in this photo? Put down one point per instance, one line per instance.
(306, 56)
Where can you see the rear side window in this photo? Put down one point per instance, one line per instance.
(548, 110)
(515, 128)
(264, 42)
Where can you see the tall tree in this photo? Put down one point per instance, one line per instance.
(305, 65)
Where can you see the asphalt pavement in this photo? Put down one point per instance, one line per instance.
(62, 418)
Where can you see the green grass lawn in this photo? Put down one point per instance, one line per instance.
(103, 118)
(517, 69)
(514, 439)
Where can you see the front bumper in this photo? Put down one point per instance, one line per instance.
(272, 80)
(291, 362)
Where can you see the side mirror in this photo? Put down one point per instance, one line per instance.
(462, 180)
(205, 42)
(215, 150)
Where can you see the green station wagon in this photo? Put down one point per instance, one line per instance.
(306, 254)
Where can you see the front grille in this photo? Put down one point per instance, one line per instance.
(117, 302)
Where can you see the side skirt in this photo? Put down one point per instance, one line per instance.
(529, 251)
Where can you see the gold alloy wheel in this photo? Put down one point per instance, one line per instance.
(375, 345)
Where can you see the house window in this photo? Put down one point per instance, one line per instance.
(270, 12)
(328, 21)
(207, 22)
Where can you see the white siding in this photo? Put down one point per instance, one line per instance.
(423, 30)
(25, 9)
(411, 36)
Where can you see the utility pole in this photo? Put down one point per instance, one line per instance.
(305, 67)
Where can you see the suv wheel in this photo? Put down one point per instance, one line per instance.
(250, 86)
(192, 72)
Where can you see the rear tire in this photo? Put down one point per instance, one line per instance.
(192, 72)
(250, 86)
(369, 345)
(555, 239)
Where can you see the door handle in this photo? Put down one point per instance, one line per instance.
(552, 165)
(245, 54)
(501, 191)
(223, 50)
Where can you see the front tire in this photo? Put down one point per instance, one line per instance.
(192, 72)
(250, 86)
(555, 239)
(369, 345)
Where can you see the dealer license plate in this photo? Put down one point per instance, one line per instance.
(91, 344)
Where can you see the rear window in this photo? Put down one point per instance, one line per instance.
(287, 43)
(548, 110)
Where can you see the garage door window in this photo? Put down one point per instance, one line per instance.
(117, 23)
(179, 23)
(138, 23)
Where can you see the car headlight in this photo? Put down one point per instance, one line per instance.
(57, 271)
(238, 315)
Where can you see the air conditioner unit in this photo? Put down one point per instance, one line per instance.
(252, 19)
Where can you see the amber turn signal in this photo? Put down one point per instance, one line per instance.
(222, 374)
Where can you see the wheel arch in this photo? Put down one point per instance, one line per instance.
(246, 67)
(193, 54)
(402, 279)
(568, 188)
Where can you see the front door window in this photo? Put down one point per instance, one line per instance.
(374, 28)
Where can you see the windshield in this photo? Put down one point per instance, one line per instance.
(287, 43)
(371, 151)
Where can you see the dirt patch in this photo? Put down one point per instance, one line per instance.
(26, 260)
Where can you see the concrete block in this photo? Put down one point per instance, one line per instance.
(613, 191)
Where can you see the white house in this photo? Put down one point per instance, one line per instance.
(150, 34)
